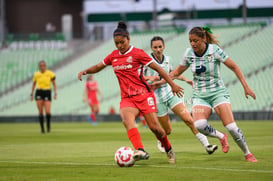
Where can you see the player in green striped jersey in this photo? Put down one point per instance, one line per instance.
(205, 57)
(165, 99)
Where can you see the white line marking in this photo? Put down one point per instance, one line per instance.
(152, 166)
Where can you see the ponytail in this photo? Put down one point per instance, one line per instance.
(205, 32)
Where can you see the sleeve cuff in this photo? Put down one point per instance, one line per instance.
(149, 62)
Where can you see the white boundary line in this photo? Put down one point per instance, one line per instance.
(152, 166)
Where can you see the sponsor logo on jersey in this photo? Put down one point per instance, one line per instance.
(210, 58)
(123, 67)
(151, 101)
(129, 59)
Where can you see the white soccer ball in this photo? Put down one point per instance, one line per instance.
(124, 157)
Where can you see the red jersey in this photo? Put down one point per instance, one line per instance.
(128, 68)
(91, 87)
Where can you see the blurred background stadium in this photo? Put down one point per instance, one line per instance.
(73, 34)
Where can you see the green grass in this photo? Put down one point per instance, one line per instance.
(79, 151)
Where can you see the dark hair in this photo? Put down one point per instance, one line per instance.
(121, 30)
(202, 33)
(156, 38)
(42, 61)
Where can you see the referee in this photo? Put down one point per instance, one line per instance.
(43, 79)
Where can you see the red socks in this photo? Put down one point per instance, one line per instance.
(93, 116)
(142, 119)
(165, 142)
(135, 138)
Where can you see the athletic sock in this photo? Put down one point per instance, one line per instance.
(41, 120)
(203, 139)
(93, 116)
(48, 117)
(238, 137)
(203, 127)
(143, 122)
(135, 138)
(165, 142)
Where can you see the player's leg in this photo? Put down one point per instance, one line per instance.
(40, 104)
(47, 105)
(201, 114)
(142, 120)
(166, 125)
(128, 116)
(94, 111)
(182, 112)
(153, 123)
(163, 118)
(225, 113)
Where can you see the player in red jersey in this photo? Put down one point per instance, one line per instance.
(136, 95)
(90, 95)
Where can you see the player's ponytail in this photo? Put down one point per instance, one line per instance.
(205, 32)
(121, 30)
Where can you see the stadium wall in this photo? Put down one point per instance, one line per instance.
(31, 16)
(260, 115)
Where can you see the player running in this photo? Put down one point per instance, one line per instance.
(90, 95)
(136, 95)
(205, 57)
(165, 99)
(43, 79)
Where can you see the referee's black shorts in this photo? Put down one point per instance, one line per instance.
(43, 95)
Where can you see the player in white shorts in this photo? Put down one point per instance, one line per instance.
(205, 57)
(165, 99)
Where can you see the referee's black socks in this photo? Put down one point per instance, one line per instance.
(48, 116)
(41, 120)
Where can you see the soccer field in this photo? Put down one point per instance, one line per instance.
(80, 151)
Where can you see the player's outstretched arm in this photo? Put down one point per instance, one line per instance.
(182, 78)
(92, 70)
(152, 78)
(173, 75)
(232, 66)
(178, 71)
(175, 88)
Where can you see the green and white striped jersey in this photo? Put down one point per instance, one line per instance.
(206, 68)
(164, 92)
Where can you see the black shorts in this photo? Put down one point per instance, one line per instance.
(43, 95)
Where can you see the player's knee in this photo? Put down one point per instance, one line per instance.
(200, 124)
(168, 131)
(155, 128)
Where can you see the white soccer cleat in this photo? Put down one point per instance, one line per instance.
(160, 147)
(171, 156)
(141, 155)
(211, 149)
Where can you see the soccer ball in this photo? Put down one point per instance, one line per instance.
(124, 157)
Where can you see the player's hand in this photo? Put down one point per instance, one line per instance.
(249, 92)
(155, 85)
(31, 98)
(190, 82)
(55, 96)
(177, 90)
(81, 74)
(154, 78)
